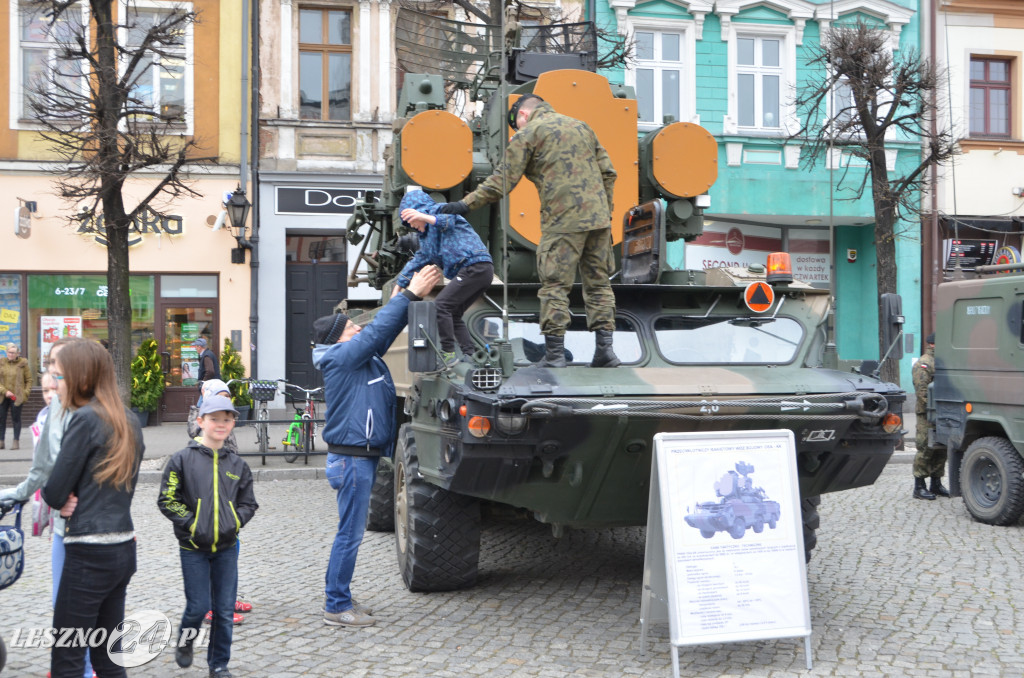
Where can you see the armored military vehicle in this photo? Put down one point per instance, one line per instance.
(741, 506)
(974, 402)
(701, 350)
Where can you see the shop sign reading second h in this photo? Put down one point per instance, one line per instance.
(147, 222)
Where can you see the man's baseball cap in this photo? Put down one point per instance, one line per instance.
(217, 403)
(199, 342)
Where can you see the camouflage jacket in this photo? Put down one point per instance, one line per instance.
(924, 372)
(573, 173)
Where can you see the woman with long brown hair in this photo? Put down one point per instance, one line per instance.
(93, 482)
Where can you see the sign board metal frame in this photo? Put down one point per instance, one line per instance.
(717, 587)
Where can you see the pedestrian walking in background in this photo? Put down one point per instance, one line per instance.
(16, 382)
(55, 419)
(359, 428)
(448, 241)
(929, 462)
(206, 492)
(209, 366)
(575, 179)
(92, 483)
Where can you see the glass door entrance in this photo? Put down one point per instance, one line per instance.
(182, 325)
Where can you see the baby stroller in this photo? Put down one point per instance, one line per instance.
(12, 557)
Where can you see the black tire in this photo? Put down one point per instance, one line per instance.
(737, 529)
(437, 532)
(812, 521)
(290, 458)
(262, 429)
(991, 481)
(707, 534)
(381, 516)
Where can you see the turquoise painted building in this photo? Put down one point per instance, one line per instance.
(735, 66)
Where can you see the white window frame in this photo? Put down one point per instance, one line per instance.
(687, 31)
(188, 125)
(787, 87)
(18, 89)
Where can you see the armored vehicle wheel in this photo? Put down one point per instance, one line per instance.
(737, 529)
(707, 534)
(772, 523)
(758, 527)
(991, 481)
(437, 532)
(381, 516)
(811, 519)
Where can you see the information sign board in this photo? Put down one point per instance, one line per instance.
(725, 555)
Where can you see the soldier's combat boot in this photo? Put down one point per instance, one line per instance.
(554, 352)
(936, 487)
(604, 356)
(920, 491)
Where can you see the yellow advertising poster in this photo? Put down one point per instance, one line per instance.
(9, 316)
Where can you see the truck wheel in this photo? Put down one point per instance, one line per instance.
(707, 534)
(811, 520)
(381, 516)
(737, 529)
(991, 481)
(437, 532)
(758, 527)
(772, 523)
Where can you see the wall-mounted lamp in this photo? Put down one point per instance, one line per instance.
(237, 207)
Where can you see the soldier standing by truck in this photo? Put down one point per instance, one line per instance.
(929, 462)
(575, 179)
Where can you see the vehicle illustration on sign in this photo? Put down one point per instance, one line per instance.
(740, 505)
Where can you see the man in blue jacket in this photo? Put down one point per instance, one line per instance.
(359, 428)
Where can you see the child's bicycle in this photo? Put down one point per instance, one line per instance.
(301, 433)
(262, 391)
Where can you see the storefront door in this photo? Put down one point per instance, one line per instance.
(182, 324)
(312, 291)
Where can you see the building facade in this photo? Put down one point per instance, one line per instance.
(53, 269)
(735, 67)
(978, 204)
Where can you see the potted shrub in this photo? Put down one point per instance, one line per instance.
(147, 381)
(231, 367)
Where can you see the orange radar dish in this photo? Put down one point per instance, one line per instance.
(685, 159)
(437, 150)
(759, 296)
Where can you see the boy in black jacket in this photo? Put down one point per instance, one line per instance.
(206, 492)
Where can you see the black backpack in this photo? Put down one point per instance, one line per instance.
(12, 551)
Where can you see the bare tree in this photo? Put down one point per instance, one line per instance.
(863, 97)
(97, 103)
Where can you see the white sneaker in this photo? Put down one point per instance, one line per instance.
(348, 618)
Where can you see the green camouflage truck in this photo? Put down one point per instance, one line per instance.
(701, 350)
(975, 405)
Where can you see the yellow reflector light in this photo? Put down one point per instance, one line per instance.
(479, 427)
(779, 268)
(891, 423)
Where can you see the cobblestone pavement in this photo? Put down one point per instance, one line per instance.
(569, 607)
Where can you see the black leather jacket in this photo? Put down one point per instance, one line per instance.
(101, 508)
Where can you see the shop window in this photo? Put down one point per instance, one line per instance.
(325, 64)
(990, 97)
(10, 310)
(312, 249)
(76, 305)
(182, 326)
(194, 286)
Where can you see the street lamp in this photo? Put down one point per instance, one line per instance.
(238, 212)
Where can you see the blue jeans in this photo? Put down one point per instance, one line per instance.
(56, 567)
(211, 583)
(352, 478)
(91, 596)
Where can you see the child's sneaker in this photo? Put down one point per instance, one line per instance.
(241, 606)
(348, 618)
(235, 618)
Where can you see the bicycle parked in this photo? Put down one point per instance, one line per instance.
(301, 433)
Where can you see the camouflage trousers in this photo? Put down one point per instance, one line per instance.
(559, 257)
(929, 461)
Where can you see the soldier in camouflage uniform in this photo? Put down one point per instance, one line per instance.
(575, 179)
(929, 462)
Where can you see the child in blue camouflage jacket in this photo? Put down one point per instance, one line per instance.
(448, 241)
